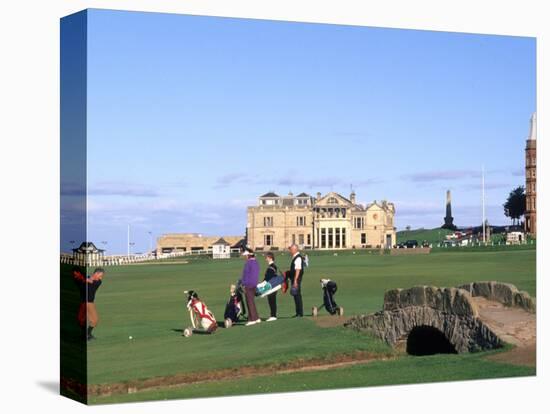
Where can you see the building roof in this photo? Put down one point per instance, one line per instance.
(270, 194)
(384, 205)
(303, 195)
(221, 241)
(240, 244)
(88, 247)
(336, 195)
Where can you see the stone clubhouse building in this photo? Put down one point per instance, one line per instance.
(324, 222)
(327, 222)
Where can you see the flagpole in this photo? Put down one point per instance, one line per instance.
(128, 243)
(483, 201)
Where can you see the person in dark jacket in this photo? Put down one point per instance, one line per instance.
(270, 273)
(249, 280)
(294, 276)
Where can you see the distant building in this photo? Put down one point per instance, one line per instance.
(186, 242)
(515, 237)
(322, 222)
(87, 254)
(531, 179)
(221, 249)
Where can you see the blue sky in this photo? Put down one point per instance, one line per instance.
(191, 118)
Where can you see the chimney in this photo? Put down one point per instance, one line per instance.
(352, 197)
(318, 196)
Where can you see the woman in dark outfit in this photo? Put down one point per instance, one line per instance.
(270, 273)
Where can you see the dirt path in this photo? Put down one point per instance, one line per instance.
(319, 364)
(330, 321)
(513, 325)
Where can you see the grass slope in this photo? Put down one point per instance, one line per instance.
(406, 370)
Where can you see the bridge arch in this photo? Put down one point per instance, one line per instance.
(427, 340)
(425, 310)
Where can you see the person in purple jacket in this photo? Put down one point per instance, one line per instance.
(249, 280)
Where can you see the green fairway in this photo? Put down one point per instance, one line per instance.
(146, 302)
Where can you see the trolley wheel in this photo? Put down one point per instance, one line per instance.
(314, 311)
(228, 323)
(187, 332)
(340, 311)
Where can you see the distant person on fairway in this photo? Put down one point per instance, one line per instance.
(249, 280)
(294, 276)
(270, 273)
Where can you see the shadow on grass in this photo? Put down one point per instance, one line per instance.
(195, 331)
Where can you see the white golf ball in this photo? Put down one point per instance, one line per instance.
(130, 337)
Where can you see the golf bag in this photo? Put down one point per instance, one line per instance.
(201, 317)
(266, 288)
(235, 308)
(329, 290)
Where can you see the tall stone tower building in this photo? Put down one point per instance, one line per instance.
(531, 178)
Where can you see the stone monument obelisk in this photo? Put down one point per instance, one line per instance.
(448, 214)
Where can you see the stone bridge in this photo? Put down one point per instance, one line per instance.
(452, 320)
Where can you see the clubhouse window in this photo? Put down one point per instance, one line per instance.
(343, 237)
(268, 221)
(323, 238)
(301, 239)
(268, 240)
(363, 238)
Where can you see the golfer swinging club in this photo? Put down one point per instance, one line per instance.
(295, 275)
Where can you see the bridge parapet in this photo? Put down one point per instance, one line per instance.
(505, 293)
(450, 300)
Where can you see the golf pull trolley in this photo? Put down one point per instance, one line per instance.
(235, 309)
(329, 288)
(202, 320)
